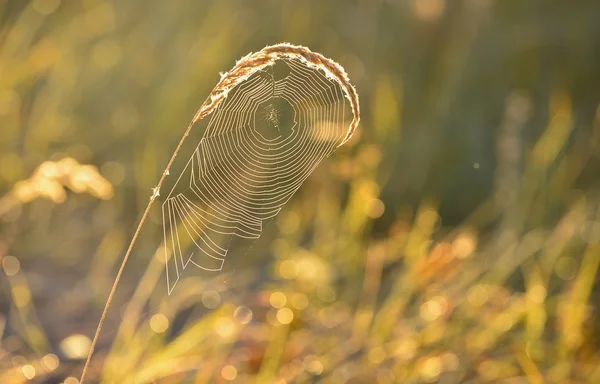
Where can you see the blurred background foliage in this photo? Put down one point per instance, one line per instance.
(456, 238)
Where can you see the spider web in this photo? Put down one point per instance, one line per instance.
(259, 146)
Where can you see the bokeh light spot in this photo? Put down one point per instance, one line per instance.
(326, 294)
(211, 299)
(285, 315)
(277, 299)
(159, 323)
(431, 369)
(313, 365)
(11, 265)
(566, 268)
(375, 208)
(28, 371)
(434, 308)
(75, 346)
(50, 362)
(243, 314)
(229, 372)
(537, 293)
(299, 301)
(225, 327)
(464, 245)
(288, 269)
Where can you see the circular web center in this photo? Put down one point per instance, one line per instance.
(274, 119)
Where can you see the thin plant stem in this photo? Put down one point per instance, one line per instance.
(129, 249)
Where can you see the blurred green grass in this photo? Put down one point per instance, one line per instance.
(454, 239)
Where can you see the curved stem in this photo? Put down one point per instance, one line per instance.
(129, 249)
